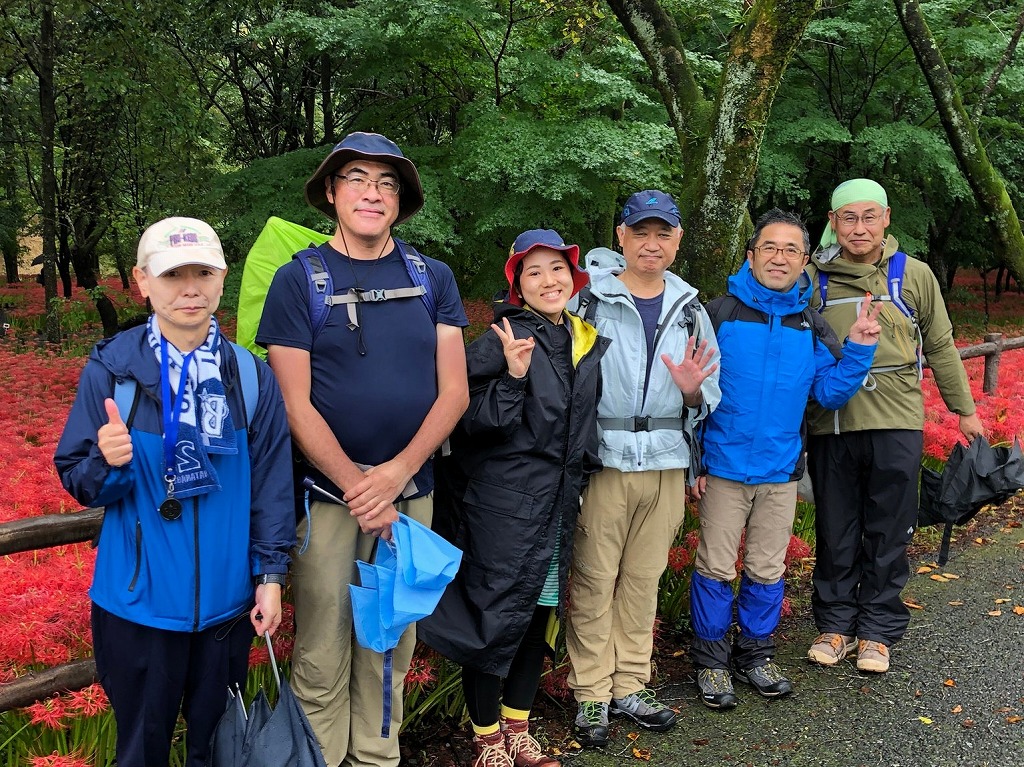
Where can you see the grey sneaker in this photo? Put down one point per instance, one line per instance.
(768, 680)
(644, 709)
(716, 688)
(591, 725)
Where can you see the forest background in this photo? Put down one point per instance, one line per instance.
(519, 114)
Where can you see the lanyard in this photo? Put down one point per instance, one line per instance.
(171, 412)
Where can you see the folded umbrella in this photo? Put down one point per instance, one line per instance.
(402, 585)
(973, 477)
(229, 734)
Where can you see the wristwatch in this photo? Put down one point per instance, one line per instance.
(278, 578)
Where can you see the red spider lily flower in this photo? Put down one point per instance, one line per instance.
(555, 682)
(787, 607)
(679, 558)
(49, 713)
(798, 549)
(91, 701)
(421, 672)
(59, 760)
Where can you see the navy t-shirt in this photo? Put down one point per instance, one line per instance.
(374, 385)
(650, 311)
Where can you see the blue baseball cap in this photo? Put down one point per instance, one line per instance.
(375, 148)
(650, 203)
(542, 238)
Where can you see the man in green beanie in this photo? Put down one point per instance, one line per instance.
(864, 458)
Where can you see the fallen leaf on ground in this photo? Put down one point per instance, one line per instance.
(701, 741)
(957, 603)
(924, 720)
(1014, 719)
(573, 744)
(1018, 610)
(643, 754)
(956, 709)
(1003, 710)
(912, 605)
(923, 569)
(951, 577)
(995, 613)
(1002, 601)
(968, 722)
(677, 653)
(633, 735)
(939, 578)
(949, 683)
(917, 693)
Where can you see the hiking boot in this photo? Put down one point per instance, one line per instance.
(872, 656)
(523, 749)
(768, 680)
(716, 688)
(591, 725)
(644, 709)
(489, 751)
(830, 648)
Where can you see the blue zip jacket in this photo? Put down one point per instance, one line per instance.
(775, 352)
(196, 571)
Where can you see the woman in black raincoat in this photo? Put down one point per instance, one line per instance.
(508, 494)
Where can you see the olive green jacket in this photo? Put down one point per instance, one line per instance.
(891, 398)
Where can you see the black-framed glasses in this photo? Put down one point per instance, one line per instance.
(850, 219)
(769, 250)
(360, 184)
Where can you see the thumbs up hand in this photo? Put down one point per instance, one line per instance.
(113, 439)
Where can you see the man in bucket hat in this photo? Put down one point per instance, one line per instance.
(370, 397)
(864, 458)
(633, 507)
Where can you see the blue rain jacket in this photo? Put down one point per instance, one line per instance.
(196, 571)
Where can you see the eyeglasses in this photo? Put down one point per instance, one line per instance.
(361, 183)
(769, 250)
(851, 219)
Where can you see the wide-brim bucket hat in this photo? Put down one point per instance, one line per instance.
(375, 148)
(542, 238)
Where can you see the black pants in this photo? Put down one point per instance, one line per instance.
(865, 490)
(149, 674)
(485, 692)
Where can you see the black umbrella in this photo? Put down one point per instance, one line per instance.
(973, 477)
(278, 737)
(229, 735)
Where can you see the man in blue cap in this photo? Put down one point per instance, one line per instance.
(633, 507)
(865, 457)
(370, 397)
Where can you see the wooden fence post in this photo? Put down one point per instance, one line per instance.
(991, 380)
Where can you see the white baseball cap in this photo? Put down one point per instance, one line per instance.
(178, 241)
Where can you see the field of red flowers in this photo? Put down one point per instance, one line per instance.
(47, 603)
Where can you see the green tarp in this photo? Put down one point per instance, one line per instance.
(275, 246)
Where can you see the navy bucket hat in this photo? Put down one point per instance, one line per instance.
(650, 203)
(375, 148)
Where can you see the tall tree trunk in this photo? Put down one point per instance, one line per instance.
(986, 183)
(48, 179)
(722, 169)
(326, 98)
(759, 53)
(11, 217)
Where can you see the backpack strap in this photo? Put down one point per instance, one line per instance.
(419, 274)
(126, 397)
(586, 306)
(249, 380)
(321, 285)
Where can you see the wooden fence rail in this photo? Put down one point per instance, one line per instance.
(61, 529)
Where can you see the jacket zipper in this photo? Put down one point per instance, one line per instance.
(195, 528)
(138, 555)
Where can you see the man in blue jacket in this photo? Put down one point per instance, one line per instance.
(775, 352)
(199, 513)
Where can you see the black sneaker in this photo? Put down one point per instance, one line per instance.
(716, 688)
(591, 725)
(644, 709)
(768, 680)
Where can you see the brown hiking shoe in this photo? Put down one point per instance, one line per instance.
(523, 749)
(830, 648)
(489, 751)
(872, 656)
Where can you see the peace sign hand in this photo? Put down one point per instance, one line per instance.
(865, 329)
(518, 351)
